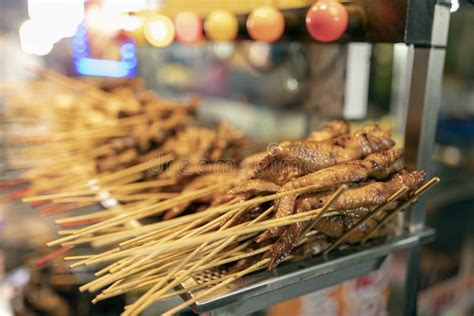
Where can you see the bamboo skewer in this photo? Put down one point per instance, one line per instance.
(124, 198)
(118, 188)
(141, 213)
(238, 230)
(151, 255)
(184, 274)
(145, 302)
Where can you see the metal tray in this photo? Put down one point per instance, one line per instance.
(266, 288)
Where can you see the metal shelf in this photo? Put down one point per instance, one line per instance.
(266, 288)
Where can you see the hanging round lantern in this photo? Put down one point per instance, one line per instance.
(266, 24)
(159, 30)
(327, 20)
(188, 27)
(221, 26)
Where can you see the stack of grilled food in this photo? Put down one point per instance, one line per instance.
(185, 203)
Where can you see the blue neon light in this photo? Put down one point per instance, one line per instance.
(126, 67)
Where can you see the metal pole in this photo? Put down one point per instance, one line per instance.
(420, 130)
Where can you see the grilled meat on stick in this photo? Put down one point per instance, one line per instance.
(309, 156)
(331, 130)
(330, 178)
(367, 195)
(281, 173)
(285, 169)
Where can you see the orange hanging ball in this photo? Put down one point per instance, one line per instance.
(266, 24)
(221, 25)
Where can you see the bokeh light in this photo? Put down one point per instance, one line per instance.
(266, 24)
(188, 27)
(159, 30)
(221, 25)
(33, 40)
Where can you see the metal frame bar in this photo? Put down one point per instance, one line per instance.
(421, 121)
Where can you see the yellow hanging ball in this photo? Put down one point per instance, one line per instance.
(221, 25)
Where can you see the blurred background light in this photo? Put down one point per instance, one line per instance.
(454, 5)
(188, 27)
(100, 20)
(223, 50)
(50, 21)
(130, 23)
(266, 24)
(33, 40)
(221, 25)
(122, 6)
(159, 30)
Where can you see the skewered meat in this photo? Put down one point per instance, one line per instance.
(311, 156)
(255, 187)
(367, 195)
(315, 245)
(250, 163)
(283, 170)
(332, 129)
(374, 165)
(227, 138)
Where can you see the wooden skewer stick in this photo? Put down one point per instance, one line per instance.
(171, 261)
(368, 216)
(135, 169)
(192, 241)
(152, 273)
(136, 261)
(125, 198)
(147, 211)
(205, 250)
(186, 273)
(152, 280)
(176, 233)
(119, 254)
(113, 211)
(158, 288)
(125, 187)
(152, 235)
(175, 201)
(401, 207)
(198, 265)
(237, 230)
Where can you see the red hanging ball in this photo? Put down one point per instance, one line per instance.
(327, 20)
